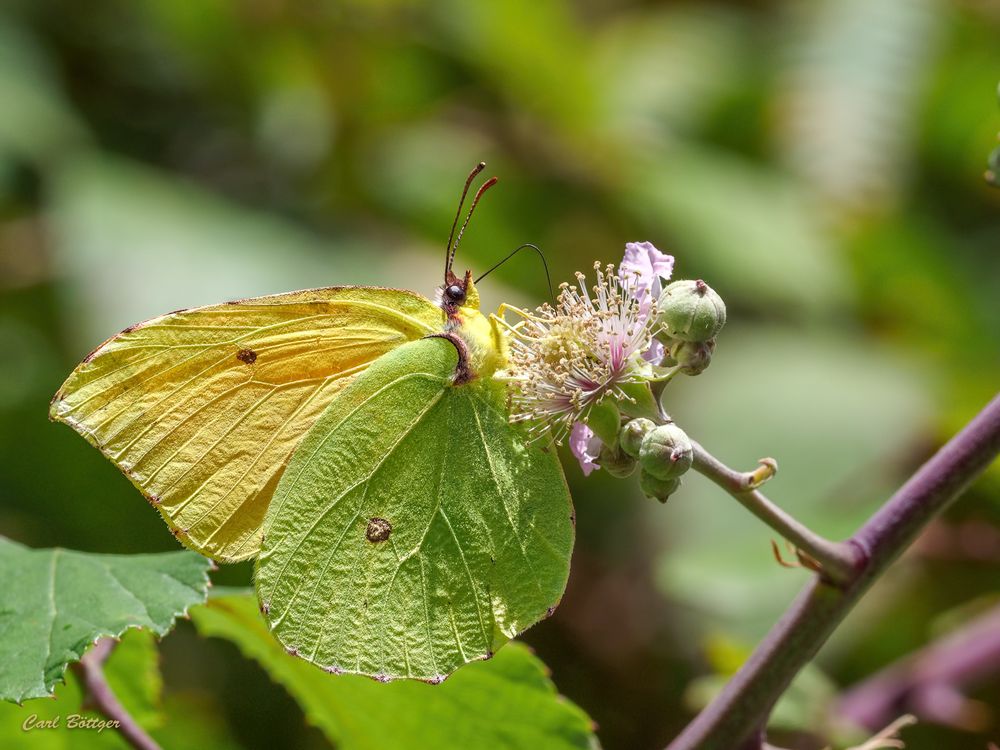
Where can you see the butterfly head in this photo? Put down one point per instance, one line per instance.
(458, 295)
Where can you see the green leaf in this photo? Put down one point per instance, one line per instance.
(133, 675)
(414, 530)
(507, 702)
(57, 602)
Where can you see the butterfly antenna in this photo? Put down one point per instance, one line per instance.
(475, 202)
(526, 245)
(449, 252)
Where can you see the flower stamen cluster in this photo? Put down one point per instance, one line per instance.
(567, 358)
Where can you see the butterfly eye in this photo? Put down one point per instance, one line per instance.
(455, 293)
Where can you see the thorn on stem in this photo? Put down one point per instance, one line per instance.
(781, 560)
(802, 559)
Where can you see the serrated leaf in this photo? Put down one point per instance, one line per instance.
(506, 702)
(133, 675)
(57, 602)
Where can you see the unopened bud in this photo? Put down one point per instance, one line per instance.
(632, 434)
(666, 452)
(657, 489)
(617, 463)
(690, 311)
(693, 356)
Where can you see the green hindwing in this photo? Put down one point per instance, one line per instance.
(414, 530)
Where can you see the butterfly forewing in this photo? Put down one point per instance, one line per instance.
(202, 408)
(414, 530)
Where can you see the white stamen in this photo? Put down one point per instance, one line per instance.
(565, 359)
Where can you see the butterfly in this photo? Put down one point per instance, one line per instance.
(355, 441)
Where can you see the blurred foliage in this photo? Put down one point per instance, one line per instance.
(821, 164)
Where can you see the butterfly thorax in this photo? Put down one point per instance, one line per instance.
(484, 339)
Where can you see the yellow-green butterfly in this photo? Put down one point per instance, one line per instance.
(355, 441)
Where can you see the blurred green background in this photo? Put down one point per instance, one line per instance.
(819, 163)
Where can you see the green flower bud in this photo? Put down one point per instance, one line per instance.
(657, 489)
(690, 311)
(666, 452)
(693, 356)
(615, 462)
(632, 434)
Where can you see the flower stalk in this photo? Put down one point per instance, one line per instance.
(838, 561)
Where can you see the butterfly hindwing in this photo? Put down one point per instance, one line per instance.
(414, 529)
(202, 408)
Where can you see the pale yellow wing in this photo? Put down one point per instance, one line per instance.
(202, 408)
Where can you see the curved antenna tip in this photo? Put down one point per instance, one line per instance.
(525, 246)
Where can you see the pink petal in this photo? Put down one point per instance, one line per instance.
(654, 354)
(643, 267)
(586, 446)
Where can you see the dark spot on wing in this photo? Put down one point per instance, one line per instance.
(247, 355)
(378, 530)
